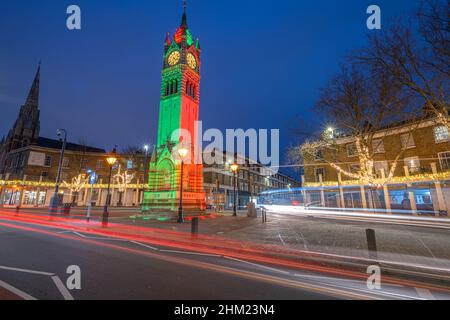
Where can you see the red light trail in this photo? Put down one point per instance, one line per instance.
(272, 255)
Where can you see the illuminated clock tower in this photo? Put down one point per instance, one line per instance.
(178, 113)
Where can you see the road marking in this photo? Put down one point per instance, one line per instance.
(27, 271)
(282, 241)
(16, 291)
(425, 294)
(144, 245)
(62, 288)
(192, 253)
(257, 265)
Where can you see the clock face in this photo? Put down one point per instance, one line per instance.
(174, 57)
(191, 61)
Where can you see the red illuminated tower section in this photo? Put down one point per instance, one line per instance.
(179, 110)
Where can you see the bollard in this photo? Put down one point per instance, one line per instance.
(17, 209)
(372, 244)
(194, 227)
(264, 215)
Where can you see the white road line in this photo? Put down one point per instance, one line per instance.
(282, 241)
(62, 288)
(16, 291)
(27, 271)
(144, 245)
(98, 238)
(425, 294)
(192, 253)
(62, 232)
(257, 265)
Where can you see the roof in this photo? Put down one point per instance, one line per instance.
(56, 144)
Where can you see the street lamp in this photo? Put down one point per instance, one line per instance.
(92, 181)
(332, 135)
(54, 202)
(112, 159)
(234, 168)
(146, 149)
(331, 132)
(182, 152)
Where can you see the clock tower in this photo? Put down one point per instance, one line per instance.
(178, 112)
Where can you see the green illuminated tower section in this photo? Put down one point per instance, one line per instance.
(179, 110)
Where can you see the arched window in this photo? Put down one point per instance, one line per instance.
(167, 89)
(176, 87)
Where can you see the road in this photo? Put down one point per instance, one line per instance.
(34, 260)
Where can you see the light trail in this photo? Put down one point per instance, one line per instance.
(263, 257)
(367, 216)
(203, 265)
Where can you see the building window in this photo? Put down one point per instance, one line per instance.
(378, 165)
(351, 150)
(441, 134)
(130, 164)
(413, 164)
(444, 160)
(354, 168)
(44, 174)
(378, 146)
(65, 163)
(83, 163)
(48, 161)
(407, 141)
(99, 164)
(318, 155)
(319, 172)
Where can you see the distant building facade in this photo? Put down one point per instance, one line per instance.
(420, 180)
(252, 179)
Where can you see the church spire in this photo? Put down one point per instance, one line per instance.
(184, 19)
(33, 95)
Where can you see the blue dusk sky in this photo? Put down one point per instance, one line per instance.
(263, 62)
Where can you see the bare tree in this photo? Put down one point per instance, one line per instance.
(419, 63)
(434, 26)
(360, 103)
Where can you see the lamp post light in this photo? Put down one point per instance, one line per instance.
(92, 181)
(333, 135)
(234, 168)
(112, 159)
(182, 152)
(146, 149)
(54, 202)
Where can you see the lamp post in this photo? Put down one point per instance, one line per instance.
(146, 149)
(182, 152)
(54, 202)
(112, 159)
(332, 134)
(234, 168)
(92, 181)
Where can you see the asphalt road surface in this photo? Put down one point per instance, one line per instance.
(34, 261)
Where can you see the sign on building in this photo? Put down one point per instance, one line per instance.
(36, 159)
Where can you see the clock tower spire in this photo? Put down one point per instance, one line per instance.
(178, 114)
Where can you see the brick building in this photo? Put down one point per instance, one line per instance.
(421, 151)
